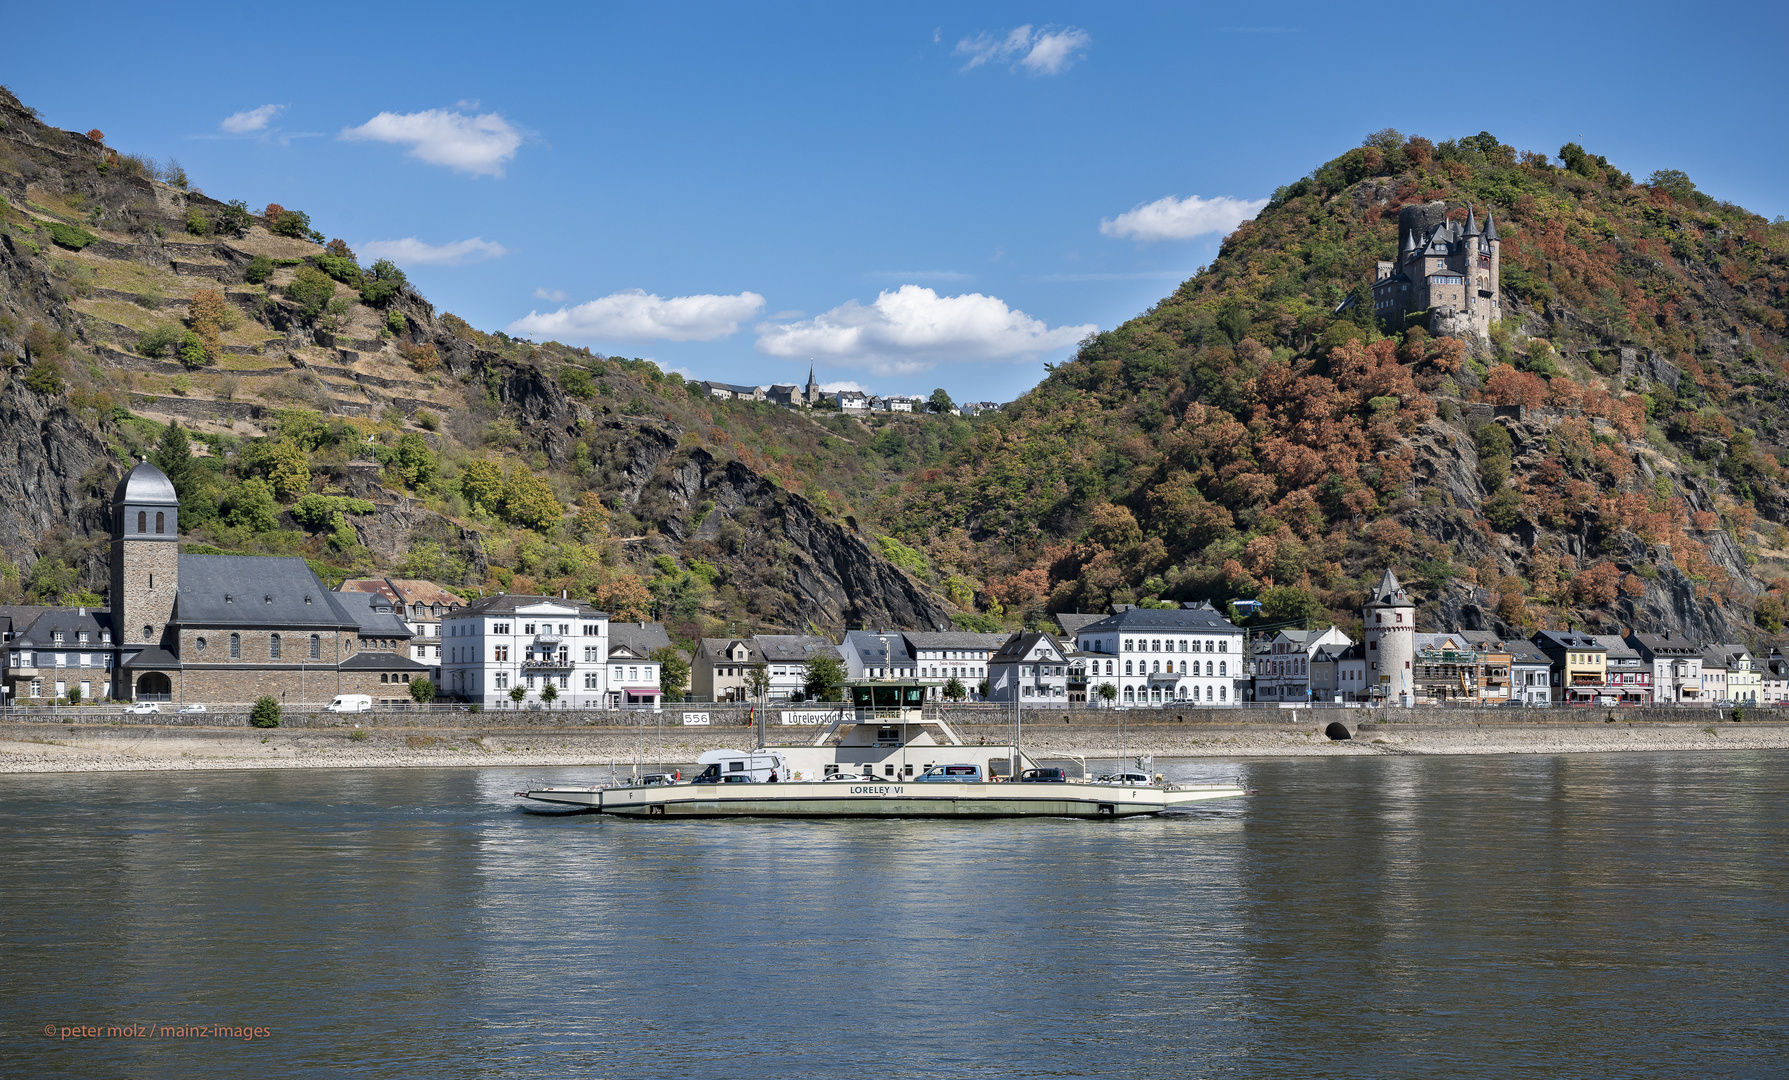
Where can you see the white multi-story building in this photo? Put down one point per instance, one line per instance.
(421, 604)
(953, 654)
(1676, 667)
(493, 646)
(1152, 656)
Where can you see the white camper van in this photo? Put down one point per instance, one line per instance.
(350, 703)
(741, 767)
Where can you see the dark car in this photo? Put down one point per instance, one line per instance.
(1044, 776)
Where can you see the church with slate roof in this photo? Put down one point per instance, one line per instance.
(231, 628)
(1446, 267)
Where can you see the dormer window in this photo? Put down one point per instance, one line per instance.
(268, 598)
(56, 636)
(228, 599)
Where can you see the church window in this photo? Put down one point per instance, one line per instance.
(152, 581)
(142, 521)
(316, 647)
(199, 644)
(235, 646)
(158, 522)
(148, 633)
(273, 647)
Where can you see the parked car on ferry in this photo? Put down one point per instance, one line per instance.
(959, 774)
(142, 708)
(195, 707)
(1125, 778)
(1044, 776)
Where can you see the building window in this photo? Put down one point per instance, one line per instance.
(1221, 667)
(1223, 694)
(501, 653)
(590, 680)
(142, 521)
(316, 647)
(158, 523)
(235, 646)
(273, 647)
(1127, 667)
(148, 633)
(384, 677)
(503, 680)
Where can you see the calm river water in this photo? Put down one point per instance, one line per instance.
(1619, 915)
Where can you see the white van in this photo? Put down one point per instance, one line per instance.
(350, 703)
(734, 766)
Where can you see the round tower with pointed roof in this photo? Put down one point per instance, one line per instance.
(1390, 617)
(145, 556)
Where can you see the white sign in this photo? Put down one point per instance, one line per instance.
(695, 719)
(791, 717)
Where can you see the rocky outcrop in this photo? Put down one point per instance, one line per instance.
(52, 467)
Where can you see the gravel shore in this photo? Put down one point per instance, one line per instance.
(35, 748)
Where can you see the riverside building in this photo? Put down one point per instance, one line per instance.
(553, 649)
(1154, 656)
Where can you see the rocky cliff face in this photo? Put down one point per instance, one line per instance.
(54, 473)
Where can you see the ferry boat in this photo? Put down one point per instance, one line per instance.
(879, 756)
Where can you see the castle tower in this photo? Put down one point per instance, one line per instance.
(1469, 245)
(145, 559)
(1390, 617)
(1492, 249)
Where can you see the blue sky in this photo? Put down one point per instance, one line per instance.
(912, 195)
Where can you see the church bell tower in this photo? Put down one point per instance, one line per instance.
(145, 558)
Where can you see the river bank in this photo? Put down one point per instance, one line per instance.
(68, 747)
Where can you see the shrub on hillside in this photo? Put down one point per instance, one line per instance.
(423, 358)
(342, 268)
(312, 289)
(266, 713)
(233, 219)
(72, 237)
(383, 283)
(45, 377)
(196, 222)
(293, 223)
(577, 382)
(258, 270)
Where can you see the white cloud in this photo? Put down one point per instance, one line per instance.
(1170, 218)
(913, 329)
(544, 293)
(249, 120)
(1041, 52)
(637, 315)
(843, 384)
(413, 252)
(472, 144)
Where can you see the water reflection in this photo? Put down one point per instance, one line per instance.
(1374, 916)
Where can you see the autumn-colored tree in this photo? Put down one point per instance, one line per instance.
(1598, 585)
(1507, 386)
(624, 596)
(273, 213)
(96, 135)
(209, 315)
(1114, 527)
(1633, 586)
(340, 249)
(592, 520)
(481, 482)
(423, 358)
(528, 500)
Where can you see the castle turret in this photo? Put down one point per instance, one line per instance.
(1471, 221)
(1390, 618)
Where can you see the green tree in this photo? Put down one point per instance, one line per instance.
(1108, 693)
(49, 580)
(1292, 603)
(266, 713)
(516, 693)
(528, 500)
(940, 401)
(312, 289)
(549, 693)
(414, 460)
(74, 694)
(757, 680)
(481, 482)
(290, 471)
(954, 690)
(673, 672)
(422, 691)
(826, 678)
(174, 457)
(234, 219)
(45, 377)
(383, 281)
(251, 506)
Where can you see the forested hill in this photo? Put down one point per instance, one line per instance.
(1243, 435)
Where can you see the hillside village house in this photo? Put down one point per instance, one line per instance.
(1629, 674)
(55, 650)
(1153, 656)
(721, 669)
(961, 655)
(1283, 673)
(1744, 681)
(1714, 675)
(1676, 667)
(878, 654)
(501, 642)
(786, 659)
(1029, 670)
(1579, 667)
(1339, 673)
(1530, 673)
(634, 676)
(1776, 678)
(422, 604)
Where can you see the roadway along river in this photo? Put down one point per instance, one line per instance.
(1606, 915)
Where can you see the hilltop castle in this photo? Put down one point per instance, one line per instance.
(1448, 268)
